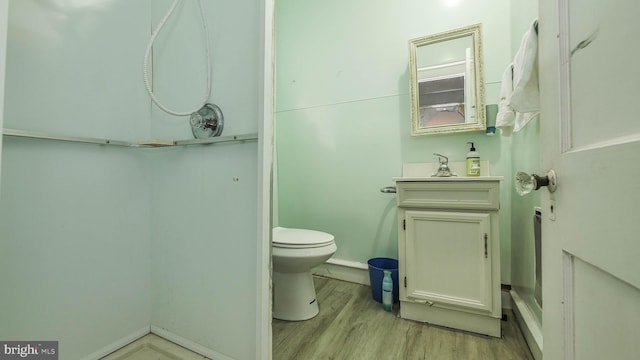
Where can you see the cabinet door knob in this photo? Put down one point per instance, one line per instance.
(526, 183)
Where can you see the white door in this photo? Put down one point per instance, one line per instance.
(590, 135)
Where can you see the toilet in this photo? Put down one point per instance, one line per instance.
(295, 252)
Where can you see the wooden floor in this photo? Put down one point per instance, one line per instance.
(352, 326)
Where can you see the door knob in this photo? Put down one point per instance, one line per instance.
(526, 183)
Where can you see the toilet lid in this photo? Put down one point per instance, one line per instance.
(301, 237)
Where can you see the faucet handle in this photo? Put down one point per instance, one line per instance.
(446, 159)
(443, 169)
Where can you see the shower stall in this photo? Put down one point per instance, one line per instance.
(105, 235)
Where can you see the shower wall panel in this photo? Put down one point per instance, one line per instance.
(204, 199)
(179, 65)
(75, 68)
(74, 218)
(74, 230)
(204, 247)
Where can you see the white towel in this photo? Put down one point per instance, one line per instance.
(525, 96)
(505, 120)
(519, 93)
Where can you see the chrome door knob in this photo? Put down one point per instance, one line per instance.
(526, 183)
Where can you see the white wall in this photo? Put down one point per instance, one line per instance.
(526, 157)
(74, 219)
(204, 246)
(74, 264)
(78, 72)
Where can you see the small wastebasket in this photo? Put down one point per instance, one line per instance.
(376, 273)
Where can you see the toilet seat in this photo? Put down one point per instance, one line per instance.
(300, 238)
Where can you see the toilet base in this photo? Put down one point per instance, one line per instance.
(294, 296)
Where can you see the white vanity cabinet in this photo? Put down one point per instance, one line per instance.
(449, 252)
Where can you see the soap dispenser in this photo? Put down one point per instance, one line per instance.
(473, 161)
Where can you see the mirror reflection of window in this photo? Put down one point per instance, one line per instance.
(442, 100)
(444, 115)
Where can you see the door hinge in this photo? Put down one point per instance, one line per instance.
(486, 239)
(405, 281)
(404, 224)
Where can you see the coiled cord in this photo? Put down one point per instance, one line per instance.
(148, 54)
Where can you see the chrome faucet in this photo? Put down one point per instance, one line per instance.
(443, 169)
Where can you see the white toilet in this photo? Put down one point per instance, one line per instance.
(295, 252)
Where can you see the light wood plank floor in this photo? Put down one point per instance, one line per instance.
(352, 326)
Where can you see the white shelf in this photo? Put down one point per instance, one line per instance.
(139, 144)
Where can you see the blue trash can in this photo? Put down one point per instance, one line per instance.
(376, 273)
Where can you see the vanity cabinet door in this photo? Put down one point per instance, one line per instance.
(448, 259)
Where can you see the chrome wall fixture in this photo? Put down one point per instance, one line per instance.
(207, 122)
(388, 190)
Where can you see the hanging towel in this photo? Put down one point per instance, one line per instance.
(519, 93)
(505, 120)
(525, 98)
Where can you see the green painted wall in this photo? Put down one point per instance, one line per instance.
(343, 118)
(525, 157)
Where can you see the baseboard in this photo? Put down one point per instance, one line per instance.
(345, 270)
(188, 344)
(530, 328)
(117, 344)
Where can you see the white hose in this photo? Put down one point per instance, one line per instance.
(148, 54)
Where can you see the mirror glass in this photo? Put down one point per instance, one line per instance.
(447, 86)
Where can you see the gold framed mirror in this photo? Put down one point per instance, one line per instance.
(447, 82)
